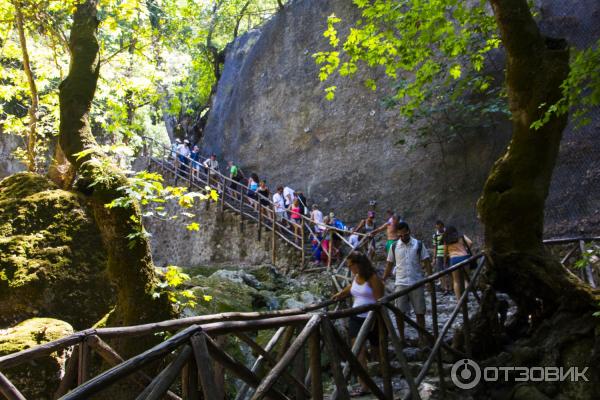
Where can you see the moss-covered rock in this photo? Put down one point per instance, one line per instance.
(53, 262)
(37, 379)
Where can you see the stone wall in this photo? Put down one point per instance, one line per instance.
(270, 115)
(220, 241)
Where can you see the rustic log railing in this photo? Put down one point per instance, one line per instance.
(193, 351)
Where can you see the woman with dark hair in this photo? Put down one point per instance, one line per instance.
(457, 248)
(366, 288)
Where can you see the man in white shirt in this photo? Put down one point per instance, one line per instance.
(279, 204)
(316, 217)
(407, 255)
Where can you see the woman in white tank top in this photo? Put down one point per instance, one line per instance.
(366, 288)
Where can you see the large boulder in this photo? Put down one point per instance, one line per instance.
(53, 261)
(37, 379)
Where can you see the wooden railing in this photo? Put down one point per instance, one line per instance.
(198, 351)
(233, 195)
(576, 246)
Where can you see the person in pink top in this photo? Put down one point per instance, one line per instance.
(296, 217)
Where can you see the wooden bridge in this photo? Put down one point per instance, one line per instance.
(308, 337)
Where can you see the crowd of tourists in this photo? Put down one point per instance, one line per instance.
(407, 259)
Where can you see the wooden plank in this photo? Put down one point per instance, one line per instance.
(435, 327)
(418, 328)
(314, 350)
(112, 358)
(359, 343)
(273, 235)
(438, 343)
(206, 375)
(261, 360)
(465, 313)
(84, 362)
(193, 385)
(287, 358)
(355, 365)
(384, 360)
(9, 390)
(10, 360)
(414, 392)
(256, 347)
(299, 368)
(239, 370)
(130, 366)
(336, 369)
(169, 374)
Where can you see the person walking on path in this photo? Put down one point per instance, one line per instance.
(279, 205)
(391, 228)
(195, 157)
(263, 195)
(457, 248)
(437, 242)
(409, 256)
(253, 182)
(367, 226)
(183, 152)
(296, 218)
(366, 288)
(316, 216)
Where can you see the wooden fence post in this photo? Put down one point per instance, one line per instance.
(302, 242)
(329, 245)
(273, 227)
(222, 199)
(314, 349)
(260, 216)
(465, 312)
(84, 358)
(241, 208)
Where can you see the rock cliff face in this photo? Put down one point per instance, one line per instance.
(270, 115)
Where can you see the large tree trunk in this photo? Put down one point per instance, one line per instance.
(129, 261)
(512, 205)
(512, 211)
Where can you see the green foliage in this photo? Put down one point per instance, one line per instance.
(417, 43)
(581, 90)
(172, 285)
(156, 58)
(148, 190)
(589, 256)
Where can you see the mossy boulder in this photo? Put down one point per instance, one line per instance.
(37, 379)
(53, 262)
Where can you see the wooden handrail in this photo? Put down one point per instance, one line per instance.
(220, 323)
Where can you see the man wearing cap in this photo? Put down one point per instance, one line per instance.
(212, 162)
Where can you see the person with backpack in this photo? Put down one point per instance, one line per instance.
(457, 248)
(410, 257)
(438, 255)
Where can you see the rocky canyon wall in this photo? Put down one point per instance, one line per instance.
(270, 115)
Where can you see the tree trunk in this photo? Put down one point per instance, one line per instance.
(129, 261)
(33, 93)
(512, 205)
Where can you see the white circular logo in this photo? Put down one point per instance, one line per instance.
(465, 374)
